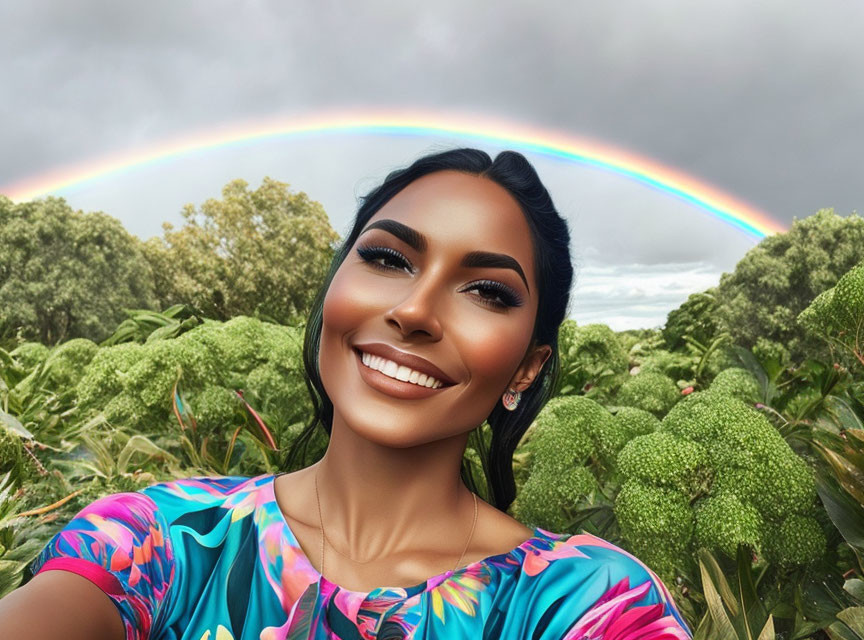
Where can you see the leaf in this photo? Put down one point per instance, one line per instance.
(751, 604)
(746, 357)
(718, 580)
(13, 425)
(854, 618)
(715, 603)
(847, 474)
(141, 444)
(844, 414)
(845, 513)
(855, 587)
(767, 632)
(264, 433)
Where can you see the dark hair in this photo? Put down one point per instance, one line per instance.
(554, 273)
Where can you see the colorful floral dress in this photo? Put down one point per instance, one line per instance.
(213, 558)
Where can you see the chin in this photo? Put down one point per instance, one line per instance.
(390, 433)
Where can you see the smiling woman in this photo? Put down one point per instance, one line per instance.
(440, 312)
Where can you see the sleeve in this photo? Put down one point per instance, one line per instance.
(120, 543)
(632, 601)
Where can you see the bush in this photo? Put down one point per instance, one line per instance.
(570, 436)
(652, 392)
(738, 383)
(739, 480)
(131, 383)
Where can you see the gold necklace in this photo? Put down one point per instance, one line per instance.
(324, 535)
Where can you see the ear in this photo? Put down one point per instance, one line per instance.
(530, 367)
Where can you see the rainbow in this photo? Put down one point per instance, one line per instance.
(476, 128)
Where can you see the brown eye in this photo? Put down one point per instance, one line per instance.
(371, 254)
(506, 297)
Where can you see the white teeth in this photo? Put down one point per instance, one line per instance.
(400, 372)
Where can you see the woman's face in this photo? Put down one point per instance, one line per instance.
(425, 301)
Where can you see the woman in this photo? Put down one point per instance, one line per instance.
(441, 310)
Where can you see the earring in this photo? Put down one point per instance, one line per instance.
(510, 399)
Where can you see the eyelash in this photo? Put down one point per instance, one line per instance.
(509, 298)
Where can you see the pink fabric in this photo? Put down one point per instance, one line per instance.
(99, 576)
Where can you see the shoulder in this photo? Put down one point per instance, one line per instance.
(122, 542)
(584, 581)
(198, 492)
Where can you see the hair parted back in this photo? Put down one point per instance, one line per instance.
(554, 273)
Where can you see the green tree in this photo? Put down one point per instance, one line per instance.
(255, 253)
(776, 280)
(694, 318)
(837, 315)
(67, 274)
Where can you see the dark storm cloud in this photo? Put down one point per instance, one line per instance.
(761, 99)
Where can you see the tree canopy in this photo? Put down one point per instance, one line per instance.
(257, 253)
(777, 279)
(67, 274)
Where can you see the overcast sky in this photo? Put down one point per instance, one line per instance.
(762, 100)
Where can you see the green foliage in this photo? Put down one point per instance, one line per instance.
(738, 383)
(635, 422)
(695, 318)
(736, 475)
(593, 361)
(798, 540)
(723, 522)
(53, 259)
(662, 460)
(260, 253)
(572, 438)
(652, 392)
(675, 365)
(131, 384)
(778, 279)
(837, 314)
(657, 524)
(143, 325)
(30, 354)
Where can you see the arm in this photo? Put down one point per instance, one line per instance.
(118, 545)
(60, 604)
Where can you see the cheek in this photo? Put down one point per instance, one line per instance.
(492, 351)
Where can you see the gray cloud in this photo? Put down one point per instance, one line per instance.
(763, 100)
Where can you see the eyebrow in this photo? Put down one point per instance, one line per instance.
(419, 243)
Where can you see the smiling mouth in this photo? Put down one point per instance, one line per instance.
(412, 378)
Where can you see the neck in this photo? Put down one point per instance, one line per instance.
(374, 498)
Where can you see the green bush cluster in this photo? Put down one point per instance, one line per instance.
(715, 474)
(649, 391)
(64, 365)
(30, 354)
(590, 355)
(672, 364)
(570, 437)
(131, 383)
(738, 383)
(837, 314)
(635, 422)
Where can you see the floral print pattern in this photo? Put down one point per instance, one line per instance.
(213, 558)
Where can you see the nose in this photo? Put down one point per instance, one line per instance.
(417, 311)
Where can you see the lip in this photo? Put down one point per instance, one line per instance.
(407, 359)
(391, 386)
